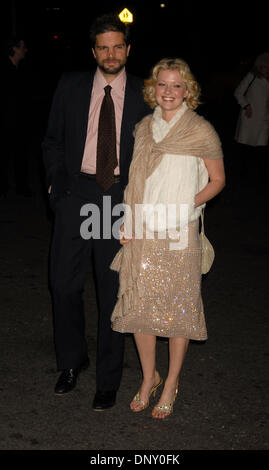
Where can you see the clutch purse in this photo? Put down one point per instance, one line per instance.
(208, 253)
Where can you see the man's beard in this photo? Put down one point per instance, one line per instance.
(112, 71)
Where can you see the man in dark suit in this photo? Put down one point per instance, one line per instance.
(70, 158)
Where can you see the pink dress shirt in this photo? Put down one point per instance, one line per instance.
(117, 93)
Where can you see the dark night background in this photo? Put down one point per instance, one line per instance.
(218, 40)
(222, 403)
(216, 35)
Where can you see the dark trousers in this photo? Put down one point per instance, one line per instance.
(70, 258)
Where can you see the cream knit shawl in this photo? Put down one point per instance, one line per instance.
(191, 135)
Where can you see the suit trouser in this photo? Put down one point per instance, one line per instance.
(70, 258)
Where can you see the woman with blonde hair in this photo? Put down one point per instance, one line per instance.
(177, 161)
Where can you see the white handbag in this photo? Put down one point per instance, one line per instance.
(208, 253)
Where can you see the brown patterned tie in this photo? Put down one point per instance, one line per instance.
(106, 143)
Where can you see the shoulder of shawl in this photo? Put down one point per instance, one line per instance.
(143, 126)
(194, 119)
(201, 124)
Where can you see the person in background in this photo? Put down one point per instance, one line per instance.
(177, 160)
(252, 130)
(15, 118)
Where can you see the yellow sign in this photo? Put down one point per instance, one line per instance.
(126, 16)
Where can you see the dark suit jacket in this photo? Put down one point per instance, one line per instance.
(65, 139)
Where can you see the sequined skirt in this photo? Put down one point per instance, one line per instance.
(172, 305)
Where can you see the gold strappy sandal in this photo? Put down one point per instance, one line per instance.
(144, 405)
(167, 408)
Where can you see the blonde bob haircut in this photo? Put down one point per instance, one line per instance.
(192, 100)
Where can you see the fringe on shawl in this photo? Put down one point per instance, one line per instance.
(127, 300)
(116, 263)
(130, 289)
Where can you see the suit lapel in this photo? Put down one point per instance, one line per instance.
(130, 101)
(130, 104)
(83, 97)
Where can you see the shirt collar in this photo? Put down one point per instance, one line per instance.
(118, 84)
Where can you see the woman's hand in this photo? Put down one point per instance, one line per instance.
(123, 240)
(248, 111)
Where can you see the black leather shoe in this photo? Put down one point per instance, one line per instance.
(68, 378)
(104, 400)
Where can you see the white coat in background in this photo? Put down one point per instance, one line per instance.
(253, 130)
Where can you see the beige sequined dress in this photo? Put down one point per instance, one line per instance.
(171, 279)
(171, 304)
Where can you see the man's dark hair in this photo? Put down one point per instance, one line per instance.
(13, 41)
(107, 23)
